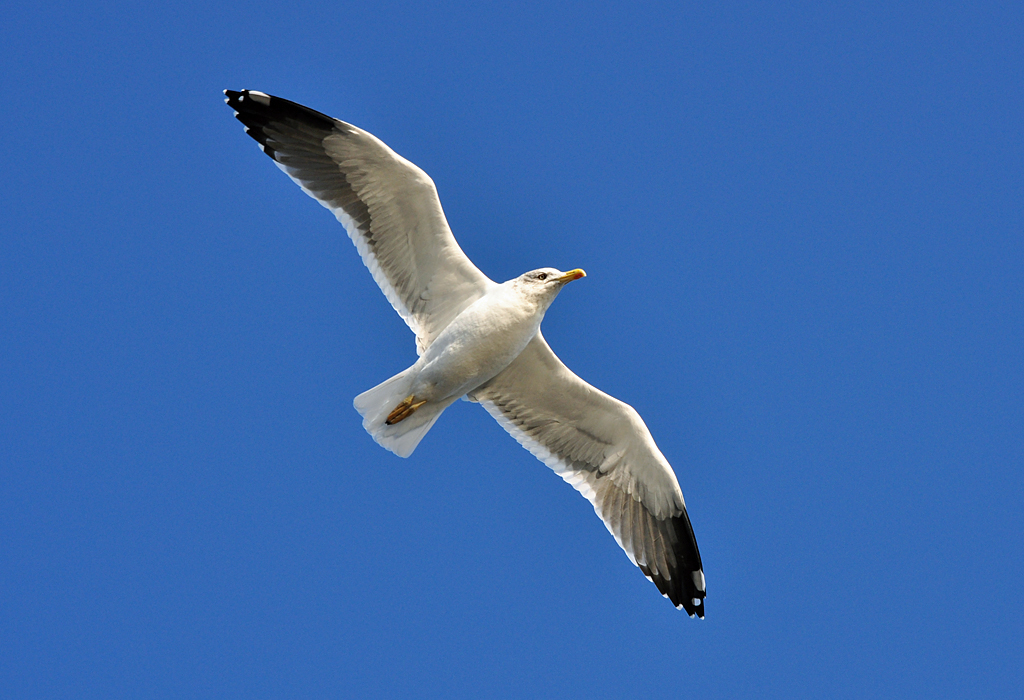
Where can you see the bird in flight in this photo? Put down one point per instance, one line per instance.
(480, 340)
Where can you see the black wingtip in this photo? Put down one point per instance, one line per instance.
(259, 111)
(692, 588)
(681, 590)
(684, 583)
(694, 606)
(231, 97)
(267, 108)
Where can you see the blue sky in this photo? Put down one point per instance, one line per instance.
(802, 227)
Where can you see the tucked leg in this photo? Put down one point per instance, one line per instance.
(403, 410)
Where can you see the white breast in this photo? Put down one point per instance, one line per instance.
(482, 341)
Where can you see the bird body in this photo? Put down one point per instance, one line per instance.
(486, 336)
(480, 340)
(479, 343)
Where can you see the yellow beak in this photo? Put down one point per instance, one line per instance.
(572, 275)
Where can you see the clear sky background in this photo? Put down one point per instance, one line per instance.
(803, 226)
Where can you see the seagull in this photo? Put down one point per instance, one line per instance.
(480, 340)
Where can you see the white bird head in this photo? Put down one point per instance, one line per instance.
(545, 283)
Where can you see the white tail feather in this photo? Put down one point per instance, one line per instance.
(375, 404)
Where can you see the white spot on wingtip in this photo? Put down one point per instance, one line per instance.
(696, 602)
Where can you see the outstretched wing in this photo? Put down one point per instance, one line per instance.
(388, 206)
(602, 447)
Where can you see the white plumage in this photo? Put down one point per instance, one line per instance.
(480, 340)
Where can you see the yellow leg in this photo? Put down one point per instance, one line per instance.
(403, 410)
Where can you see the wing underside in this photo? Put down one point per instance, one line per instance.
(388, 206)
(603, 449)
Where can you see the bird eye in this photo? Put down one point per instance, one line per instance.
(542, 276)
